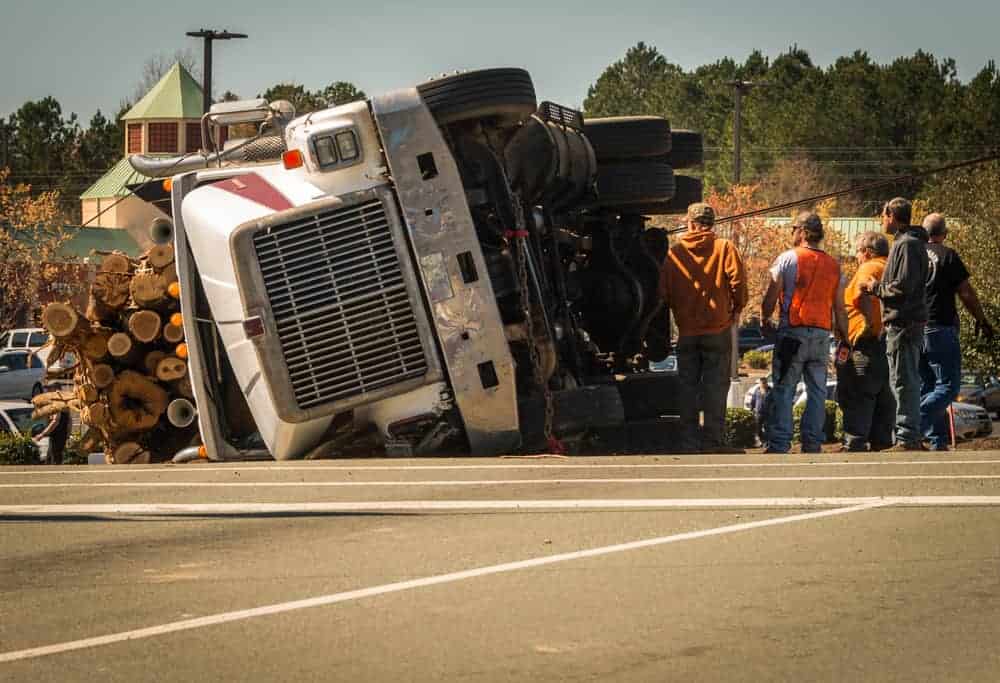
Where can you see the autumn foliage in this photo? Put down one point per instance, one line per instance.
(757, 243)
(31, 234)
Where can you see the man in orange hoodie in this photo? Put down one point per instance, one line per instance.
(703, 281)
(863, 390)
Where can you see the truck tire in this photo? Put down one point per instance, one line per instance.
(687, 149)
(687, 191)
(628, 137)
(633, 184)
(504, 94)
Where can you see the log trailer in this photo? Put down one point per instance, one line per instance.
(444, 269)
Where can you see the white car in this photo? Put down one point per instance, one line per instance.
(15, 418)
(29, 338)
(22, 375)
(971, 421)
(800, 393)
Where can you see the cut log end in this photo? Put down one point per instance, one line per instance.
(160, 256)
(116, 263)
(137, 402)
(173, 333)
(63, 321)
(102, 375)
(128, 453)
(149, 290)
(145, 325)
(171, 369)
(120, 345)
(96, 345)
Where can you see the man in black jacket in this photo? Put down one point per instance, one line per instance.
(941, 364)
(903, 291)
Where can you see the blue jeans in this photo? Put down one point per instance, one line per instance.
(904, 344)
(808, 362)
(941, 380)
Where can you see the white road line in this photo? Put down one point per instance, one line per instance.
(241, 467)
(483, 482)
(334, 598)
(224, 509)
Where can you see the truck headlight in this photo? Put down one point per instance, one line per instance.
(347, 144)
(326, 152)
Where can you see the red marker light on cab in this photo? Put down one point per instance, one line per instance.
(293, 159)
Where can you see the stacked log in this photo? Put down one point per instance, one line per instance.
(132, 360)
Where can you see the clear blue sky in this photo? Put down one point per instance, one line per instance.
(89, 55)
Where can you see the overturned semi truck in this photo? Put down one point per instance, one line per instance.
(449, 268)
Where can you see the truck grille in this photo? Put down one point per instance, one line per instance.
(340, 303)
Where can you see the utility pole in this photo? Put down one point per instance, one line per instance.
(5, 131)
(209, 36)
(740, 88)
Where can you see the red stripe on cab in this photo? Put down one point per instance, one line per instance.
(251, 186)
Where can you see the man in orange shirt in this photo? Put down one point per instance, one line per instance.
(863, 390)
(704, 284)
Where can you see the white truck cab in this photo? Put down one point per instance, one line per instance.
(409, 271)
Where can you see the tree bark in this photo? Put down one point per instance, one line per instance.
(152, 360)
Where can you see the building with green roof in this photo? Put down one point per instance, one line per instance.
(166, 121)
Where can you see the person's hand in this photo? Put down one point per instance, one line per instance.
(767, 328)
(868, 286)
(985, 330)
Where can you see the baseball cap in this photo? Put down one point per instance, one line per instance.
(701, 213)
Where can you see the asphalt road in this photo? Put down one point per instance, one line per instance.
(658, 568)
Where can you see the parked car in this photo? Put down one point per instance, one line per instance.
(981, 391)
(22, 375)
(15, 418)
(26, 338)
(800, 392)
(971, 420)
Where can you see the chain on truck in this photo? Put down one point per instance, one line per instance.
(449, 268)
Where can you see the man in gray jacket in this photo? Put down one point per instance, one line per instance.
(903, 291)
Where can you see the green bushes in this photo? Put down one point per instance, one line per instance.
(833, 427)
(758, 360)
(741, 428)
(18, 450)
(74, 454)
